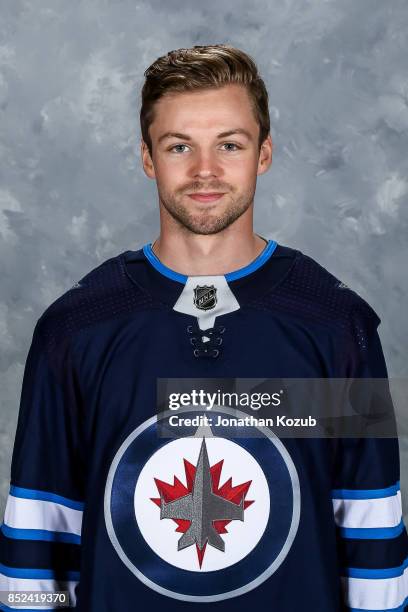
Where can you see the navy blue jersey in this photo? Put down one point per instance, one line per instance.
(123, 519)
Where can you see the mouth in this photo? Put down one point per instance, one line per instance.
(205, 197)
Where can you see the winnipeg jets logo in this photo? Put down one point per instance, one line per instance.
(202, 509)
(201, 519)
(205, 297)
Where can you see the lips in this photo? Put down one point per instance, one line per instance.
(205, 197)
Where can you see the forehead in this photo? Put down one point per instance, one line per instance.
(204, 109)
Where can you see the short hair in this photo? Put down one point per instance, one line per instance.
(203, 67)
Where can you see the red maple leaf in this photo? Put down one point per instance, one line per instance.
(170, 492)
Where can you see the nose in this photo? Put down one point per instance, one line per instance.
(205, 165)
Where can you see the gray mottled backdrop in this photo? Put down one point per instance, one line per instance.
(72, 191)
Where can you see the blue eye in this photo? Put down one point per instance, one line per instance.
(232, 144)
(175, 147)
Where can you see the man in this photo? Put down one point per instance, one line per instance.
(104, 507)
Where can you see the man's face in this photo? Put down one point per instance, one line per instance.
(194, 153)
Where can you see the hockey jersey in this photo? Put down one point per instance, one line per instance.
(104, 508)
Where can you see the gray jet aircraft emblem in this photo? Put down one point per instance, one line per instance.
(202, 507)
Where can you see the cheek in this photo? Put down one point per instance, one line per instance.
(243, 165)
(169, 174)
(241, 172)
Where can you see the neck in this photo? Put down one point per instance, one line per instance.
(208, 255)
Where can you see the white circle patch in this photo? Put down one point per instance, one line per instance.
(166, 465)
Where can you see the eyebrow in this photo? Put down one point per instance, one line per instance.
(221, 135)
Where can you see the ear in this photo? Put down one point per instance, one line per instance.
(265, 155)
(147, 161)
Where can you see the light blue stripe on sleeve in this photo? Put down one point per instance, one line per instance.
(40, 534)
(40, 574)
(365, 493)
(390, 572)
(372, 533)
(46, 496)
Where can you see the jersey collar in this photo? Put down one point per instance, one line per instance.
(143, 269)
(230, 276)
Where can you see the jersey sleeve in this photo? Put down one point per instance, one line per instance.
(372, 537)
(40, 537)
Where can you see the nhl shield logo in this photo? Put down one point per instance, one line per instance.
(205, 297)
(202, 519)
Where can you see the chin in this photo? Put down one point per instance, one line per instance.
(208, 228)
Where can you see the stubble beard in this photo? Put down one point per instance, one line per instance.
(207, 222)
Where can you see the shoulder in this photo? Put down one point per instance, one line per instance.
(102, 293)
(312, 293)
